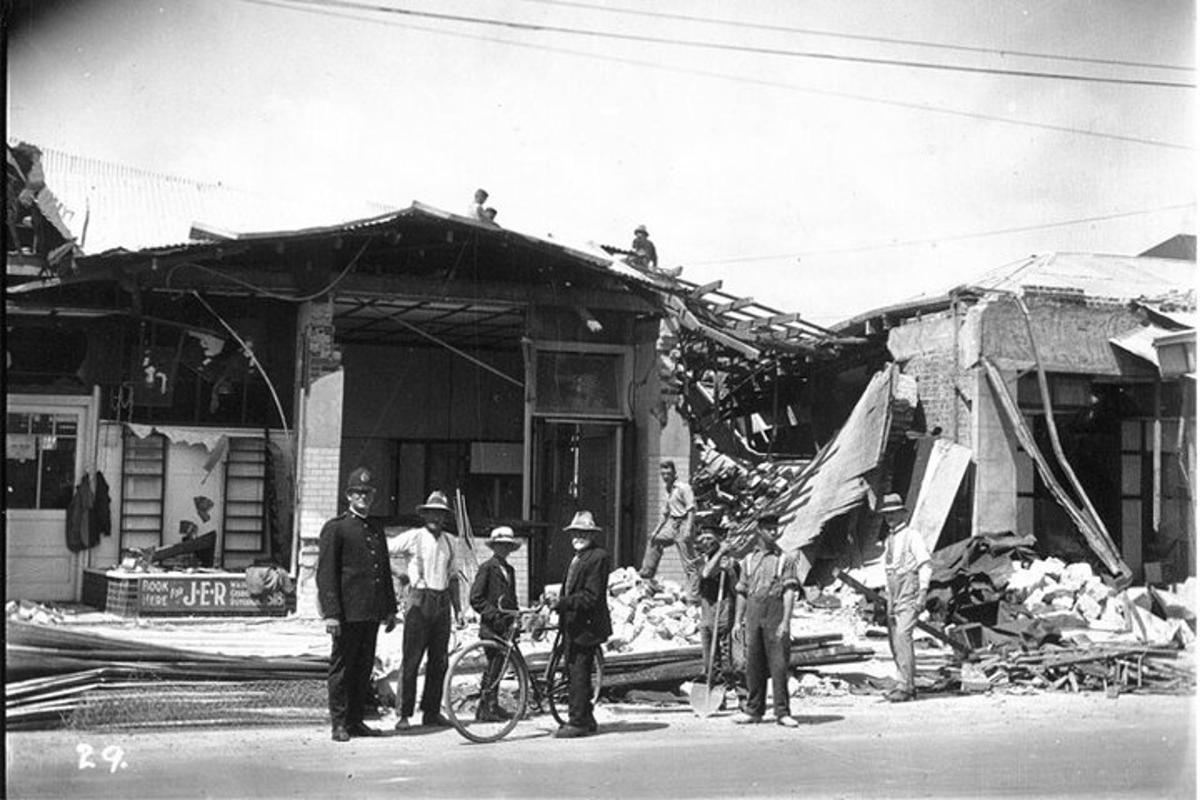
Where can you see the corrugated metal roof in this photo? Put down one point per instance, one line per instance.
(1089, 275)
(111, 206)
(1096, 276)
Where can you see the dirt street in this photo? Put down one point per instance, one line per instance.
(1047, 745)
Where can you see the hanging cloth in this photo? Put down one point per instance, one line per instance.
(79, 516)
(101, 522)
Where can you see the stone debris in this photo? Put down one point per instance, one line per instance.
(649, 615)
(37, 613)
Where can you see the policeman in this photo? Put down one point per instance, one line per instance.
(355, 594)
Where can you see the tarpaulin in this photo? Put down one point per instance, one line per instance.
(834, 483)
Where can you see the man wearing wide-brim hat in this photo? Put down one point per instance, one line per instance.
(584, 621)
(355, 594)
(430, 571)
(493, 593)
(909, 567)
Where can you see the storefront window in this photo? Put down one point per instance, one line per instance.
(40, 459)
(580, 383)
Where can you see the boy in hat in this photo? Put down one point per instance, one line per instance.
(584, 621)
(766, 595)
(718, 588)
(908, 565)
(354, 593)
(432, 573)
(645, 254)
(493, 592)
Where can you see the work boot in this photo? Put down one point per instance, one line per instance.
(570, 732)
(360, 729)
(340, 735)
(900, 696)
(490, 711)
(435, 720)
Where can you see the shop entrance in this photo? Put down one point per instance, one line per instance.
(576, 466)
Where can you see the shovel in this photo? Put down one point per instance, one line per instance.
(705, 701)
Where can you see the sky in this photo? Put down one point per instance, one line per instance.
(792, 157)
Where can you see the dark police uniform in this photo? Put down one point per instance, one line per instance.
(354, 586)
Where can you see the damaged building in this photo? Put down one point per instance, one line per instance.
(222, 379)
(1070, 378)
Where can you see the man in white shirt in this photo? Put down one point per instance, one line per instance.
(679, 512)
(431, 573)
(909, 568)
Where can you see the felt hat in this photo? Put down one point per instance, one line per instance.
(503, 534)
(361, 480)
(437, 502)
(583, 522)
(891, 502)
(641, 229)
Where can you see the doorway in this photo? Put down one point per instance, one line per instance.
(576, 466)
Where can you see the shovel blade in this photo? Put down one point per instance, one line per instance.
(706, 700)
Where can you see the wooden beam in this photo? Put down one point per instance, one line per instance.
(401, 286)
(700, 291)
(740, 303)
(762, 322)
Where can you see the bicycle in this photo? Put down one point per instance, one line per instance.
(489, 686)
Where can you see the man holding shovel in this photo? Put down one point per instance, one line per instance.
(718, 585)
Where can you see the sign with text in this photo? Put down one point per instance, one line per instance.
(205, 594)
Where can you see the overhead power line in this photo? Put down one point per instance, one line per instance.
(912, 106)
(941, 239)
(859, 37)
(725, 47)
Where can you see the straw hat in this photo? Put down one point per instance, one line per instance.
(436, 502)
(583, 522)
(503, 535)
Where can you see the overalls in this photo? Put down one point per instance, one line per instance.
(766, 651)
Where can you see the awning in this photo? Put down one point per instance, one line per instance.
(1170, 351)
(1140, 342)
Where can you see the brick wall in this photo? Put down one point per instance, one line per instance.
(930, 349)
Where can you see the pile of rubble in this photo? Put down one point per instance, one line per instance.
(29, 611)
(1072, 598)
(649, 615)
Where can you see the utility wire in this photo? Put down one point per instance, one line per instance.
(695, 43)
(737, 79)
(940, 239)
(859, 37)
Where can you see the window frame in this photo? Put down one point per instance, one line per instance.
(83, 407)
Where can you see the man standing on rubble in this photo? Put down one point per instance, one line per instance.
(355, 594)
(908, 564)
(584, 621)
(678, 515)
(432, 573)
(766, 596)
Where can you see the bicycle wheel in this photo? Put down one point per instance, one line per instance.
(486, 690)
(557, 692)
